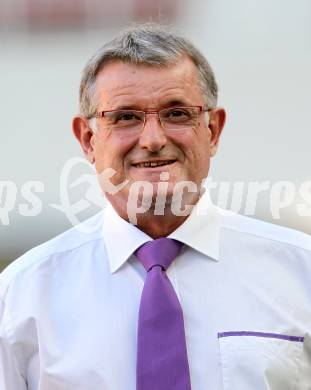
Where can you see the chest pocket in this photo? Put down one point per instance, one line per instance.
(261, 361)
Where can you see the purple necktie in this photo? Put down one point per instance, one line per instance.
(162, 362)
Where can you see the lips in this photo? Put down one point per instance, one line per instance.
(153, 164)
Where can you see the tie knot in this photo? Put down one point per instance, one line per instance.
(161, 251)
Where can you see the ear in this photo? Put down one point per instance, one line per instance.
(85, 136)
(217, 119)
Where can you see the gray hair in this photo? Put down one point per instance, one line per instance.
(146, 44)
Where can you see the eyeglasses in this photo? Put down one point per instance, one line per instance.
(171, 119)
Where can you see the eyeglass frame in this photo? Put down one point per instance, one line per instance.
(101, 114)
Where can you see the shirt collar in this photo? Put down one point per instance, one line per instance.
(121, 238)
(200, 231)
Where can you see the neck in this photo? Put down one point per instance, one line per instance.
(157, 226)
(149, 222)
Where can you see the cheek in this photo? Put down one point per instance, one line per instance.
(183, 143)
(111, 151)
(198, 155)
(195, 147)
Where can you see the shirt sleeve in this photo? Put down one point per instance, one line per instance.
(10, 375)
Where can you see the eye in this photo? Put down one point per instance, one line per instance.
(127, 117)
(177, 114)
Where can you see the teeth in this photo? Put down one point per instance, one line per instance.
(153, 164)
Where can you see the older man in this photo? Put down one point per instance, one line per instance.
(192, 297)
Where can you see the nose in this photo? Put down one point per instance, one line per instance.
(152, 137)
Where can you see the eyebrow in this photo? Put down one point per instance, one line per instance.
(169, 103)
(177, 102)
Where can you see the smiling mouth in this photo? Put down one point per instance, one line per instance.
(153, 164)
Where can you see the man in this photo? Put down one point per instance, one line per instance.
(192, 297)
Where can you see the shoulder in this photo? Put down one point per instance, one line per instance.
(62, 246)
(265, 232)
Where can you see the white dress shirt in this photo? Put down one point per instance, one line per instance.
(69, 308)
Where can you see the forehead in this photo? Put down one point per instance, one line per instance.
(121, 84)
